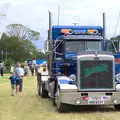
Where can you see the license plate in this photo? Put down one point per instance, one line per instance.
(95, 102)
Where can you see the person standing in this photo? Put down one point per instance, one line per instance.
(32, 69)
(12, 68)
(26, 70)
(2, 68)
(19, 72)
(13, 79)
(36, 69)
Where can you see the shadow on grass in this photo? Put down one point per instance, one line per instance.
(89, 109)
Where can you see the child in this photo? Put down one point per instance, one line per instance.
(14, 80)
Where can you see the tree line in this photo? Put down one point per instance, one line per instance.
(16, 44)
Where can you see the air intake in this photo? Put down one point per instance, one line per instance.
(96, 75)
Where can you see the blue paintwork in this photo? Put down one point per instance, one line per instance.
(66, 82)
(56, 29)
(117, 65)
(58, 67)
(117, 55)
(69, 55)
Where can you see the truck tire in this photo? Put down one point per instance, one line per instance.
(117, 107)
(61, 107)
(38, 83)
(38, 88)
(42, 91)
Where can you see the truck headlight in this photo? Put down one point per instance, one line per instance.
(77, 101)
(118, 87)
(72, 77)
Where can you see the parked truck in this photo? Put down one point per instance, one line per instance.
(81, 71)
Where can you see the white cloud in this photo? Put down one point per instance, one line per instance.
(34, 13)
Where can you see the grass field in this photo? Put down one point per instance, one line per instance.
(31, 107)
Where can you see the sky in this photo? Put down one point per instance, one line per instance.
(34, 14)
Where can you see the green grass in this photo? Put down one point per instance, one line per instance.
(4, 79)
(31, 107)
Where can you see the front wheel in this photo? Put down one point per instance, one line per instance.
(117, 107)
(43, 91)
(61, 107)
(38, 88)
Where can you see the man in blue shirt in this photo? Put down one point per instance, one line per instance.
(13, 79)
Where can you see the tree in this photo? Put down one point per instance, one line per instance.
(22, 32)
(16, 44)
(18, 50)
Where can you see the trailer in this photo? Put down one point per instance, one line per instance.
(80, 70)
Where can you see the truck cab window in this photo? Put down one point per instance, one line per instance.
(79, 46)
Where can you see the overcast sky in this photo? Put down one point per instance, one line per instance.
(34, 14)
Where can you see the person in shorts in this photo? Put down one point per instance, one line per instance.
(19, 72)
(13, 79)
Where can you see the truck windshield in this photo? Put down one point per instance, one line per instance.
(79, 46)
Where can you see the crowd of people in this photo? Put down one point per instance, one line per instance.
(18, 71)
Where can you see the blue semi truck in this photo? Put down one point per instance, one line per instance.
(80, 69)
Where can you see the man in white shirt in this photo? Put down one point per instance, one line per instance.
(44, 75)
(19, 71)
